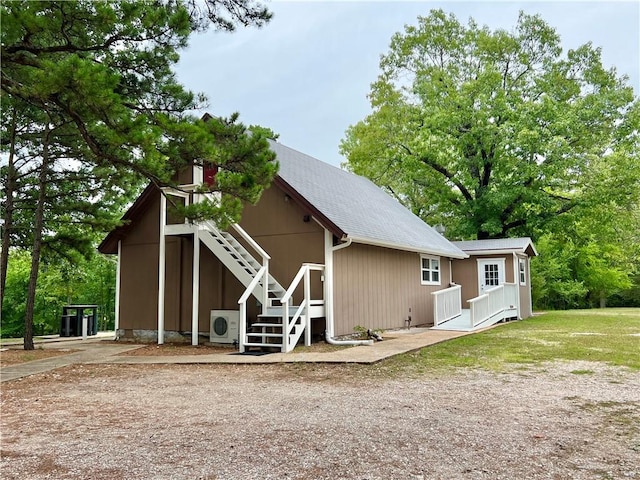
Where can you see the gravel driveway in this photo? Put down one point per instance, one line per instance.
(321, 422)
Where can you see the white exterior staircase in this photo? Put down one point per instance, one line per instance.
(240, 262)
(281, 324)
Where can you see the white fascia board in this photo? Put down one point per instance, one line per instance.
(407, 248)
(495, 252)
(504, 251)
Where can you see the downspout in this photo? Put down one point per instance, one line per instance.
(329, 249)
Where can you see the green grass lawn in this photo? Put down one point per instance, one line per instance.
(611, 336)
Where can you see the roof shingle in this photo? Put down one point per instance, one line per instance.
(521, 245)
(358, 207)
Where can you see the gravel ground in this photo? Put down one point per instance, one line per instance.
(559, 421)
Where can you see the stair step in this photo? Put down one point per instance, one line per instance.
(265, 335)
(271, 345)
(278, 315)
(260, 324)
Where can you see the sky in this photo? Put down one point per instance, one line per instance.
(307, 73)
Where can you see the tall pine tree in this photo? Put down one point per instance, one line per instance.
(92, 109)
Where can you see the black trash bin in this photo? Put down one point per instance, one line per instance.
(67, 326)
(71, 320)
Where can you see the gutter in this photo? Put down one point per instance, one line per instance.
(408, 248)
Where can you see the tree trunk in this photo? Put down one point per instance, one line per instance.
(603, 300)
(10, 187)
(37, 242)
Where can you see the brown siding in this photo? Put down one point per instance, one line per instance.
(139, 287)
(465, 273)
(375, 287)
(139, 279)
(279, 227)
(525, 291)
(139, 275)
(139, 272)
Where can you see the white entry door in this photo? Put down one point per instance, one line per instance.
(490, 273)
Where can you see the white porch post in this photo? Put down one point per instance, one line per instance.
(529, 286)
(161, 267)
(117, 312)
(328, 281)
(516, 280)
(196, 286)
(307, 299)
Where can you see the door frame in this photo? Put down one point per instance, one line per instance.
(500, 261)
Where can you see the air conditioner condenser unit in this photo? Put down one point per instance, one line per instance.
(224, 326)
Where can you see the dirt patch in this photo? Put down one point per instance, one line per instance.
(14, 356)
(321, 422)
(173, 349)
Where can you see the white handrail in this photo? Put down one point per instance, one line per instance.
(252, 243)
(447, 304)
(494, 301)
(301, 308)
(288, 325)
(243, 305)
(294, 284)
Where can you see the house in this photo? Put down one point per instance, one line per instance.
(494, 280)
(323, 250)
(496, 262)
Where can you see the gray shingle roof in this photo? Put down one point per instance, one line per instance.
(523, 245)
(358, 207)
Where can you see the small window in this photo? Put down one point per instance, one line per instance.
(523, 270)
(430, 270)
(209, 174)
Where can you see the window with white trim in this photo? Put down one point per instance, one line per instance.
(523, 271)
(429, 270)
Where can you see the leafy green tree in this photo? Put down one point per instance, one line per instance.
(492, 133)
(61, 281)
(597, 244)
(92, 109)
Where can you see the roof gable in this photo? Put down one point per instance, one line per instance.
(350, 206)
(356, 207)
(498, 245)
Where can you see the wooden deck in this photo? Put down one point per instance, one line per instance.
(462, 323)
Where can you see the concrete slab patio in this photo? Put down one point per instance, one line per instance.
(95, 351)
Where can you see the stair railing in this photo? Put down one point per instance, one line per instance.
(265, 262)
(262, 274)
(447, 304)
(485, 306)
(288, 325)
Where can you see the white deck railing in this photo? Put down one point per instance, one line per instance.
(511, 297)
(290, 337)
(447, 304)
(265, 262)
(262, 274)
(495, 301)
